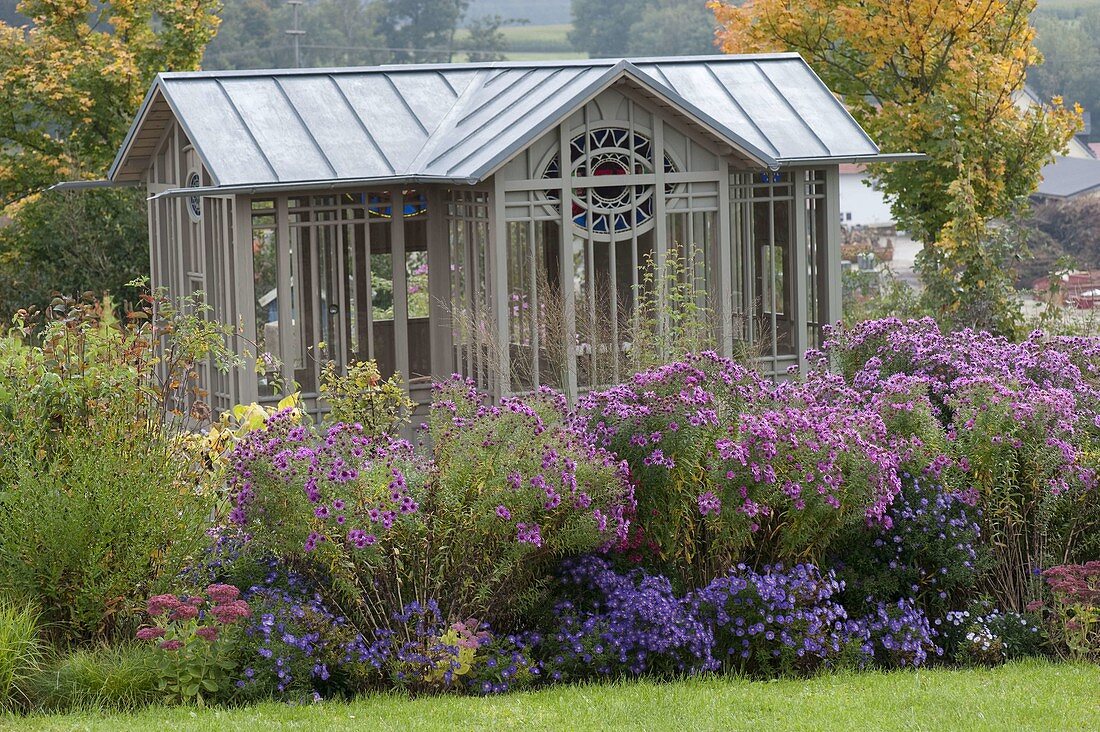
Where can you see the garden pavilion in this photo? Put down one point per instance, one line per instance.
(500, 220)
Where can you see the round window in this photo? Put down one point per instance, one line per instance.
(194, 203)
(610, 209)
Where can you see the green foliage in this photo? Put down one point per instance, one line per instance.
(71, 82)
(252, 35)
(942, 79)
(21, 653)
(362, 396)
(1070, 44)
(102, 678)
(876, 294)
(128, 524)
(484, 41)
(71, 243)
(419, 31)
(90, 421)
(672, 28)
(606, 29)
(674, 312)
(196, 646)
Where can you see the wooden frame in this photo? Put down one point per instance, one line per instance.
(327, 268)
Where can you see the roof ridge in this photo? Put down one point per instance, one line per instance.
(478, 66)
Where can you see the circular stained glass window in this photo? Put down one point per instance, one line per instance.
(194, 203)
(614, 208)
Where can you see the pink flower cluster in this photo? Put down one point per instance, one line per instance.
(176, 618)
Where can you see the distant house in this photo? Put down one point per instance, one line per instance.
(1073, 174)
(315, 207)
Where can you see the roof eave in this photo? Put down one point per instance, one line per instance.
(139, 120)
(84, 185)
(314, 185)
(909, 157)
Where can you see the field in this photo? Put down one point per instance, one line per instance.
(536, 42)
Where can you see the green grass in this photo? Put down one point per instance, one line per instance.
(1033, 695)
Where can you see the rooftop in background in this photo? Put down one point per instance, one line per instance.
(459, 122)
(1069, 177)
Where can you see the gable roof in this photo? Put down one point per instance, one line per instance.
(459, 122)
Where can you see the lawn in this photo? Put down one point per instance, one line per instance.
(1024, 695)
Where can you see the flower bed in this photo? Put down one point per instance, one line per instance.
(931, 499)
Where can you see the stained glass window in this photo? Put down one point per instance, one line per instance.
(618, 208)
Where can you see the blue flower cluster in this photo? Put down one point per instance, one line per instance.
(895, 634)
(928, 555)
(295, 643)
(614, 623)
(775, 620)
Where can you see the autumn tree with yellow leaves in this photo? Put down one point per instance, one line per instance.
(69, 85)
(945, 78)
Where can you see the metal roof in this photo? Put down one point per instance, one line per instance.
(459, 122)
(1069, 177)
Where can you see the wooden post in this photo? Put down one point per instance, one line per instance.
(801, 270)
(833, 310)
(497, 288)
(440, 310)
(241, 247)
(400, 287)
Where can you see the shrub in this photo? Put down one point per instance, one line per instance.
(294, 647)
(776, 620)
(90, 421)
(725, 464)
(362, 396)
(895, 634)
(1020, 425)
(425, 652)
(927, 552)
(612, 623)
(196, 636)
(116, 678)
(21, 653)
(990, 637)
(478, 523)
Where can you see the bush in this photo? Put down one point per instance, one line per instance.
(927, 552)
(1075, 616)
(478, 523)
(362, 396)
(105, 678)
(725, 464)
(90, 423)
(1019, 426)
(775, 621)
(21, 653)
(294, 647)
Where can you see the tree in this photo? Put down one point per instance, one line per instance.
(601, 28)
(73, 242)
(70, 84)
(939, 78)
(421, 30)
(673, 28)
(485, 41)
(1071, 58)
